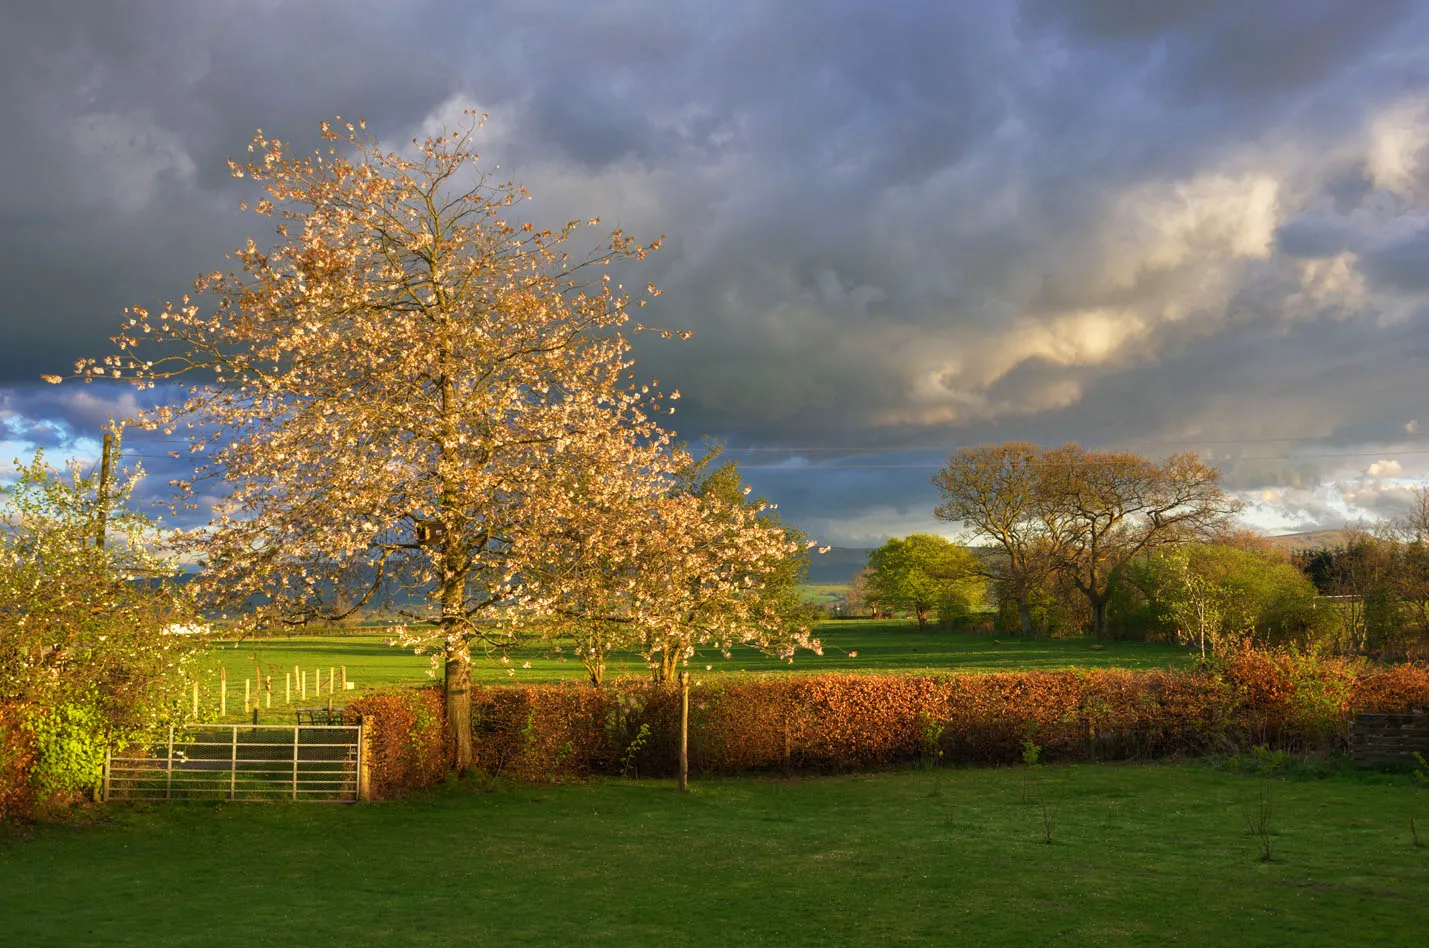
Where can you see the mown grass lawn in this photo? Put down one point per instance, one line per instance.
(879, 647)
(1151, 854)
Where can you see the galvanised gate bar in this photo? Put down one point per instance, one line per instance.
(317, 762)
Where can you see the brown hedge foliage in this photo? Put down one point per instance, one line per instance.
(850, 722)
(1391, 688)
(407, 745)
(569, 730)
(17, 755)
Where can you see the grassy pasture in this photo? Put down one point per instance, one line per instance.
(881, 646)
(1139, 855)
(823, 594)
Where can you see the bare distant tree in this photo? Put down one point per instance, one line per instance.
(1081, 514)
(856, 598)
(992, 490)
(1113, 506)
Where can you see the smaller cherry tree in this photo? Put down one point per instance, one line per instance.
(673, 559)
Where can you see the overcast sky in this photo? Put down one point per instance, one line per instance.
(895, 228)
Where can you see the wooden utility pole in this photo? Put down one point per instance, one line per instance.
(106, 462)
(684, 731)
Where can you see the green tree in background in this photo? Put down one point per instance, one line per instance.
(95, 638)
(923, 573)
(1199, 594)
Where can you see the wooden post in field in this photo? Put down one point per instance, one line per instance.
(295, 680)
(287, 687)
(268, 692)
(223, 692)
(246, 691)
(344, 677)
(303, 685)
(330, 671)
(195, 699)
(684, 731)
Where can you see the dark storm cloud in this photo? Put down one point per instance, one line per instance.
(1401, 263)
(1313, 237)
(900, 226)
(1203, 47)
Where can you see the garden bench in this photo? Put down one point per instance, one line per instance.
(319, 715)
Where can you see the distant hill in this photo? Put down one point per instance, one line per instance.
(1309, 540)
(838, 565)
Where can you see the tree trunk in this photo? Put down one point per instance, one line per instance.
(1024, 619)
(665, 670)
(458, 682)
(1099, 621)
(922, 615)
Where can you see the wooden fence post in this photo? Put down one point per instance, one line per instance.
(684, 731)
(223, 692)
(295, 762)
(287, 687)
(195, 699)
(364, 758)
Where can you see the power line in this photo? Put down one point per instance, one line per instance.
(868, 449)
(931, 465)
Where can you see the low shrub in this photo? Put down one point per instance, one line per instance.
(69, 750)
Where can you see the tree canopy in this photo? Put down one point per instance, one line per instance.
(924, 573)
(703, 566)
(409, 387)
(1081, 514)
(1202, 594)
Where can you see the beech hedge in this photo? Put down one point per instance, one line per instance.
(851, 722)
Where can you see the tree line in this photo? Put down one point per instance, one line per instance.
(1068, 540)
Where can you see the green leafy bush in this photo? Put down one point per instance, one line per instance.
(69, 741)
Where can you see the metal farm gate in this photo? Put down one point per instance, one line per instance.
(317, 762)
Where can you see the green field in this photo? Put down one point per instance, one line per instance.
(880, 646)
(823, 594)
(1140, 855)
